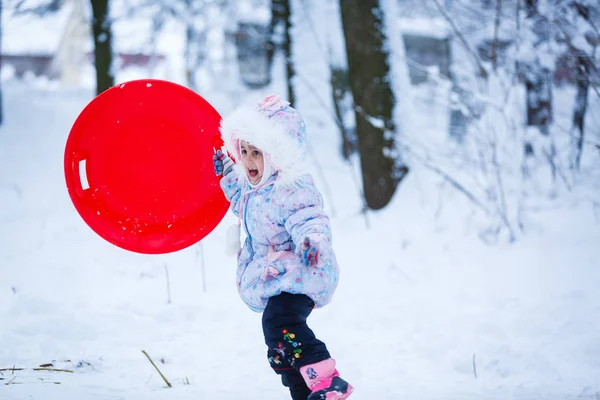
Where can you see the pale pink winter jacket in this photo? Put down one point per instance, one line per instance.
(279, 214)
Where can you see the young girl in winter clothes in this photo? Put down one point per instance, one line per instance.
(286, 266)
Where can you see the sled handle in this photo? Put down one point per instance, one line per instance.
(79, 175)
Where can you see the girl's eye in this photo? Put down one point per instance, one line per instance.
(256, 153)
(244, 151)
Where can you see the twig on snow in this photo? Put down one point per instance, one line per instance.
(474, 366)
(13, 369)
(53, 370)
(154, 365)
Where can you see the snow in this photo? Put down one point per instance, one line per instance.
(400, 83)
(425, 309)
(22, 34)
(253, 12)
(418, 299)
(431, 27)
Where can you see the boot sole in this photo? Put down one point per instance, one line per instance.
(339, 395)
(345, 391)
(339, 389)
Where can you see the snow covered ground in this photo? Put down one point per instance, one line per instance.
(424, 309)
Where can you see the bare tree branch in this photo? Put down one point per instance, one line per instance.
(500, 187)
(574, 49)
(483, 73)
(39, 10)
(584, 12)
(457, 185)
(496, 31)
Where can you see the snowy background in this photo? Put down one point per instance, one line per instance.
(427, 307)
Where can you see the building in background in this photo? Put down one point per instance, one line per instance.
(58, 46)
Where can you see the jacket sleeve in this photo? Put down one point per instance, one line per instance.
(232, 188)
(303, 216)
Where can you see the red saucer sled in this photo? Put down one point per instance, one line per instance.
(138, 166)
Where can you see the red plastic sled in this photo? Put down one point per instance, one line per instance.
(138, 166)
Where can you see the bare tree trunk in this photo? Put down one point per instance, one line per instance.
(281, 12)
(581, 101)
(188, 51)
(195, 41)
(342, 103)
(157, 24)
(287, 49)
(103, 56)
(496, 32)
(538, 82)
(276, 17)
(531, 7)
(187, 56)
(538, 86)
(586, 71)
(1, 103)
(370, 80)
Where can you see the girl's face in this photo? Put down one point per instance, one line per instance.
(253, 162)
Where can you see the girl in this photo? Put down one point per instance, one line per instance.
(286, 266)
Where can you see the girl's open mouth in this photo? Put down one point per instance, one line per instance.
(253, 173)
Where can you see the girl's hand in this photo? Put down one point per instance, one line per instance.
(309, 253)
(222, 163)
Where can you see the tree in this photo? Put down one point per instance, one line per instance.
(509, 54)
(538, 78)
(571, 28)
(101, 28)
(1, 105)
(195, 38)
(342, 105)
(370, 82)
(195, 16)
(281, 13)
(586, 71)
(583, 72)
(22, 7)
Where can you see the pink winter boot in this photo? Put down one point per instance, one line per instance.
(324, 381)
